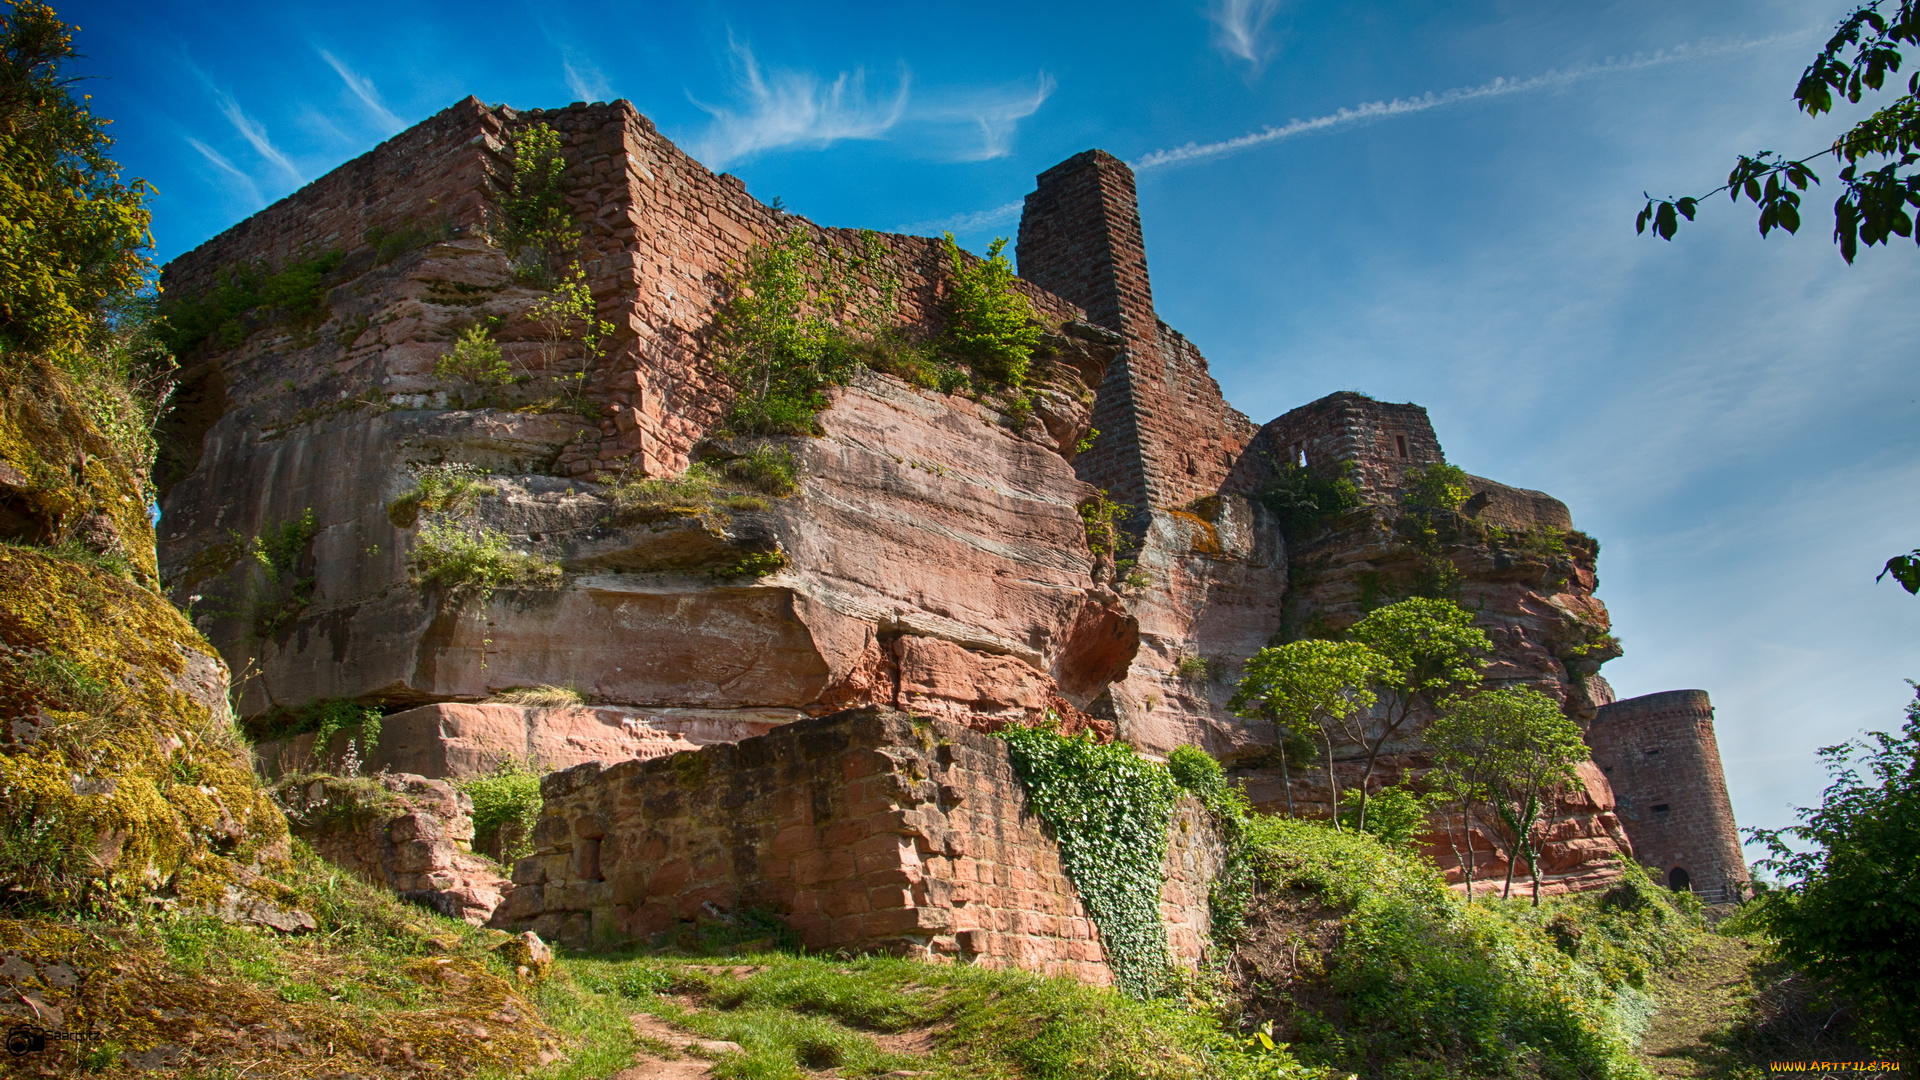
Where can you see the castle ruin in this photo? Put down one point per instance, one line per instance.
(934, 563)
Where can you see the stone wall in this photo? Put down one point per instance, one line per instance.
(867, 830)
(1660, 754)
(407, 833)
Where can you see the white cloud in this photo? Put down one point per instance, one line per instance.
(256, 135)
(1240, 28)
(1501, 87)
(363, 89)
(965, 223)
(240, 181)
(585, 81)
(996, 113)
(789, 108)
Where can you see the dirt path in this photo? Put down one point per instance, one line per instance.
(1699, 999)
(650, 1066)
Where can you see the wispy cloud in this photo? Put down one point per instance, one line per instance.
(585, 81)
(241, 182)
(363, 89)
(787, 108)
(1502, 87)
(964, 223)
(250, 129)
(996, 113)
(1240, 28)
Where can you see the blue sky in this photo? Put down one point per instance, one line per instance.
(1425, 201)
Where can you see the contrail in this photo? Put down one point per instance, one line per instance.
(1374, 110)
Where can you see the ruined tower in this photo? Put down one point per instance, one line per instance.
(1168, 436)
(1659, 753)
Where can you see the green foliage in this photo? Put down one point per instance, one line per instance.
(1199, 670)
(325, 717)
(1540, 542)
(450, 488)
(796, 1015)
(1425, 986)
(1102, 517)
(506, 806)
(474, 562)
(1086, 441)
(768, 469)
(1200, 775)
(568, 317)
(990, 326)
(778, 341)
(1434, 654)
(294, 295)
(722, 482)
(664, 496)
(1311, 685)
(270, 602)
(1505, 755)
(534, 209)
(1304, 499)
(1850, 912)
(1397, 815)
(1905, 570)
(1108, 808)
(475, 358)
(390, 244)
(1873, 203)
(73, 234)
(753, 564)
(1438, 486)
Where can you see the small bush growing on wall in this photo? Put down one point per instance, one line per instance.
(1438, 486)
(506, 806)
(534, 210)
(448, 488)
(989, 324)
(777, 342)
(296, 294)
(475, 562)
(1304, 498)
(1108, 807)
(475, 358)
(1102, 517)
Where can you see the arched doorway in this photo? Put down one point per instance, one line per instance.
(1678, 880)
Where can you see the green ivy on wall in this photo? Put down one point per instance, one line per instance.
(1108, 809)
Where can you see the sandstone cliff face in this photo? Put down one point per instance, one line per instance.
(934, 557)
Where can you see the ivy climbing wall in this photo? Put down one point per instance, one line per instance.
(866, 830)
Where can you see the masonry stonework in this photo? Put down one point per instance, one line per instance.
(867, 830)
(934, 558)
(1661, 756)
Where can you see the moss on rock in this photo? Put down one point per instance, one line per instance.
(121, 770)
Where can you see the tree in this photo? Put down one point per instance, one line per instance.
(1519, 751)
(989, 325)
(1433, 655)
(1310, 685)
(1873, 203)
(1850, 912)
(71, 234)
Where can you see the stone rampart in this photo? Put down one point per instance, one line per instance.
(1660, 754)
(867, 830)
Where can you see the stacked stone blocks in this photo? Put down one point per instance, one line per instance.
(867, 830)
(1660, 754)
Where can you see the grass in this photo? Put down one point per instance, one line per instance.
(380, 989)
(1409, 981)
(542, 697)
(1727, 1008)
(795, 1015)
(742, 482)
(463, 561)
